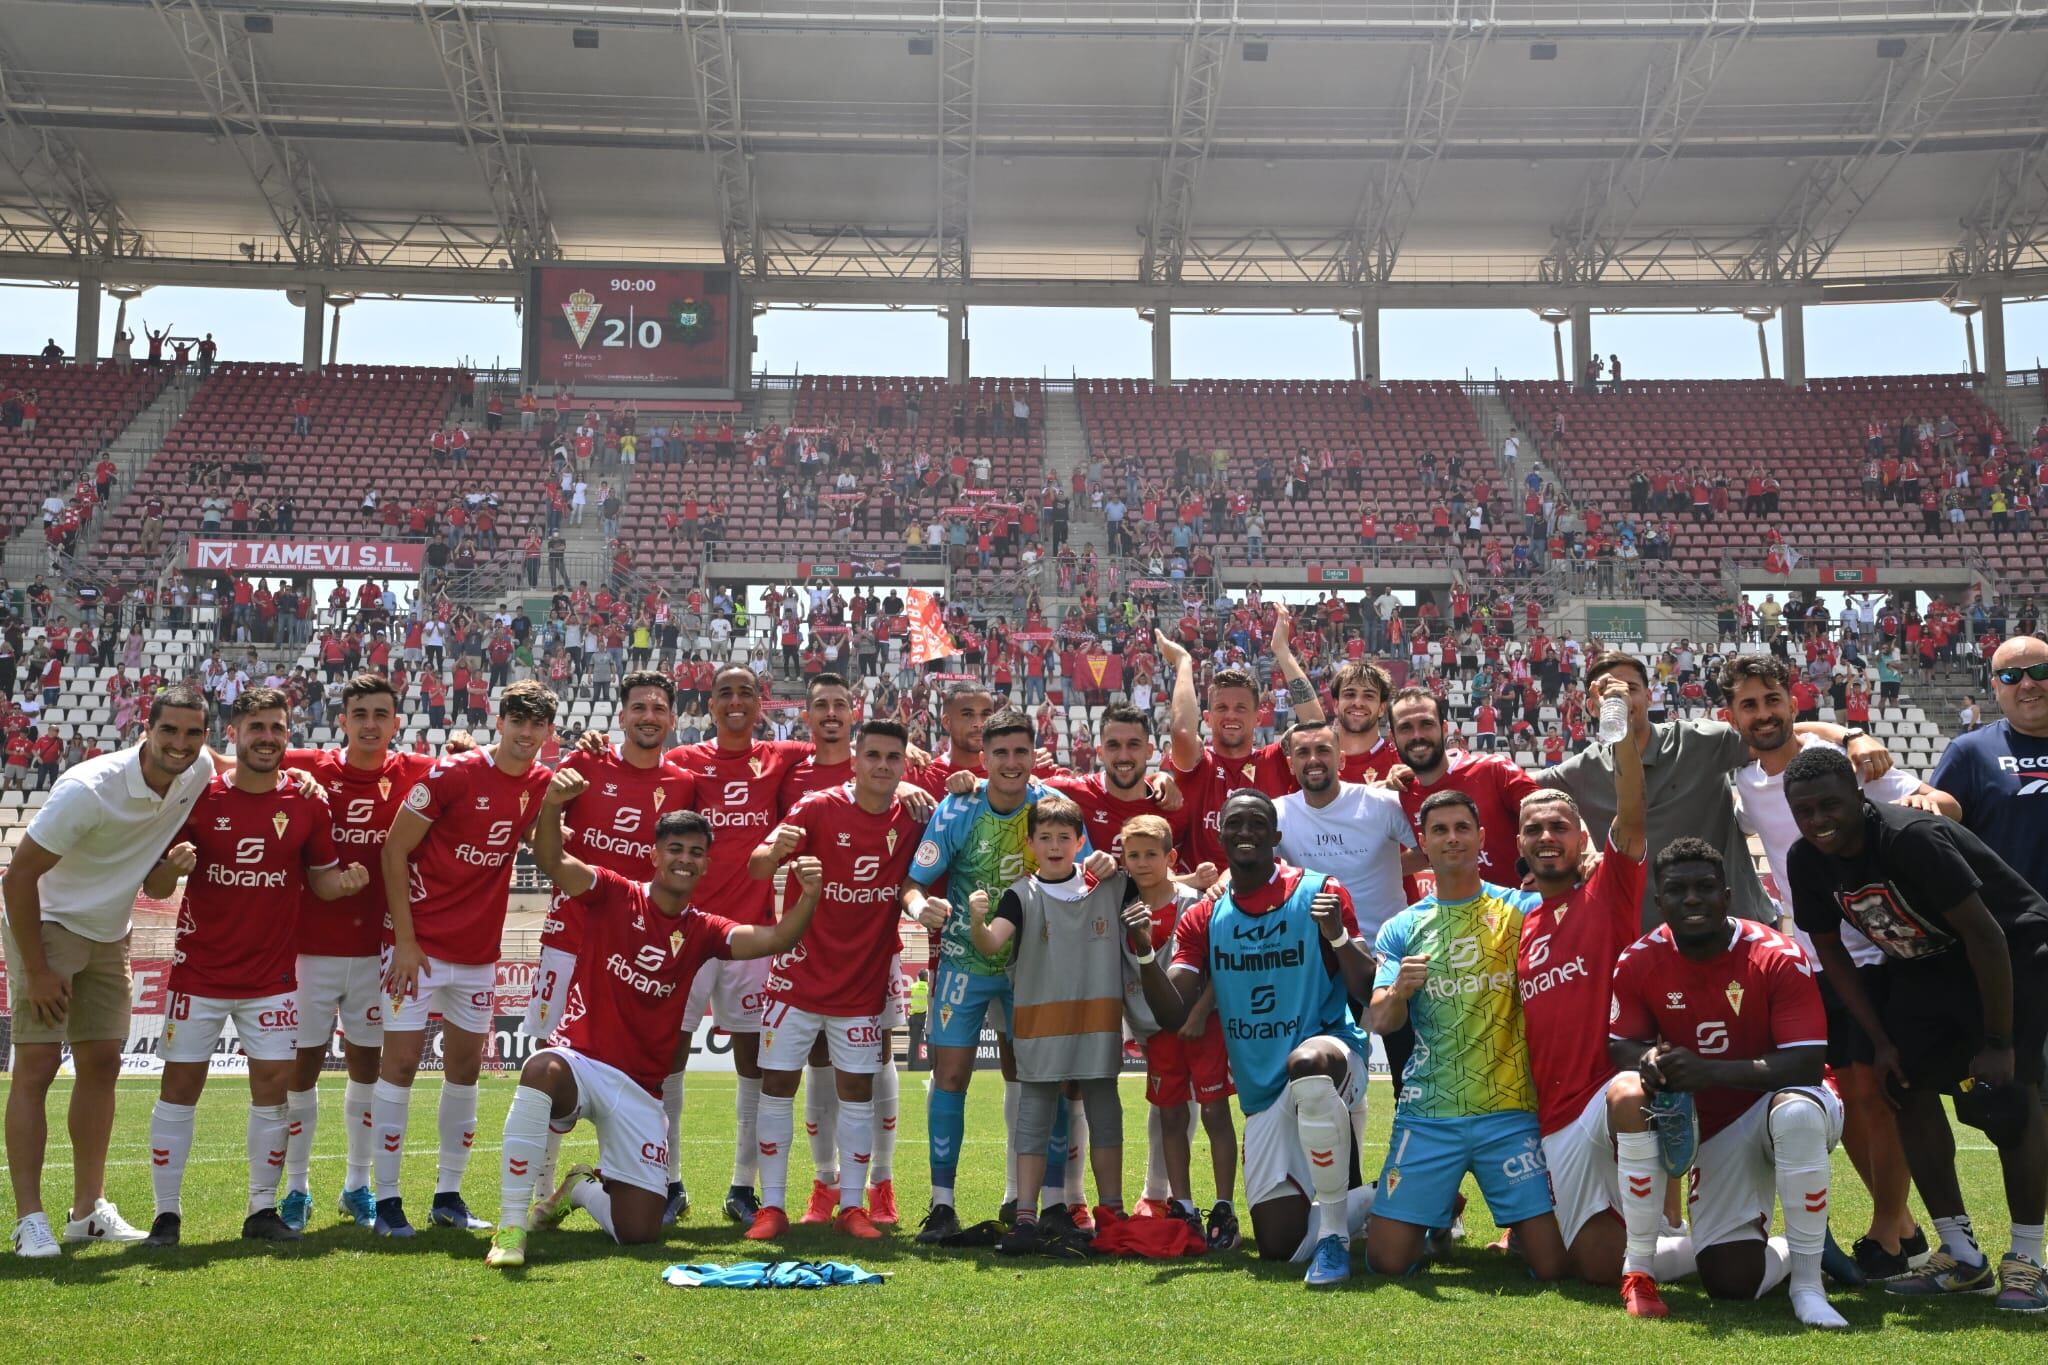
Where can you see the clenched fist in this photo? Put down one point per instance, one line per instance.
(354, 878)
(565, 786)
(184, 857)
(809, 874)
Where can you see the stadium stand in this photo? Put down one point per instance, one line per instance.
(78, 411)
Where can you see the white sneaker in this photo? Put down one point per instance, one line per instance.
(103, 1224)
(33, 1239)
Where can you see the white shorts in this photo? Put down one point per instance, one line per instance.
(1274, 1163)
(463, 994)
(1584, 1180)
(632, 1127)
(1735, 1177)
(551, 982)
(267, 1026)
(348, 988)
(734, 993)
(896, 1000)
(787, 1034)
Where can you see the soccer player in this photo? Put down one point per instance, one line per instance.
(251, 848)
(1959, 1005)
(834, 984)
(963, 715)
(1758, 688)
(1725, 1010)
(1185, 1064)
(642, 945)
(739, 784)
(974, 843)
(611, 825)
(1280, 947)
(1564, 964)
(1447, 963)
(447, 870)
(70, 895)
(339, 969)
(1124, 789)
(1360, 690)
(1208, 773)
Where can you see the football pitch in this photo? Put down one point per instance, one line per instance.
(342, 1294)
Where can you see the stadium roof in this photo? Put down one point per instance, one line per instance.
(1281, 152)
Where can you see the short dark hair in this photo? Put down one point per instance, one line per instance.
(825, 679)
(890, 729)
(1007, 721)
(1054, 810)
(180, 697)
(1689, 849)
(257, 699)
(961, 690)
(647, 677)
(1418, 694)
(1253, 794)
(1442, 800)
(1234, 677)
(528, 700)
(1302, 727)
(368, 684)
(1819, 762)
(1771, 669)
(1123, 713)
(1609, 660)
(736, 668)
(1362, 671)
(683, 822)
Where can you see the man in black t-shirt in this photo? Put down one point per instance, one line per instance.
(1959, 1005)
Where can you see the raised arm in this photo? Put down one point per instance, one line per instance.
(1628, 833)
(766, 940)
(769, 854)
(1184, 712)
(990, 934)
(1301, 693)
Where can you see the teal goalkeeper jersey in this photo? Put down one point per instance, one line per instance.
(972, 848)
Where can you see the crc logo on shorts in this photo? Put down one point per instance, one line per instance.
(654, 1153)
(1523, 1165)
(419, 798)
(286, 1017)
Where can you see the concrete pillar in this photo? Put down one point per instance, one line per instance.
(1162, 345)
(956, 342)
(1582, 341)
(314, 333)
(1369, 342)
(743, 344)
(334, 330)
(86, 346)
(1994, 339)
(1792, 343)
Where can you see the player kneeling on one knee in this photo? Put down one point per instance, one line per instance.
(642, 946)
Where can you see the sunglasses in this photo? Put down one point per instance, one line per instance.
(2011, 676)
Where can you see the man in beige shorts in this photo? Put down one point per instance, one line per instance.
(70, 900)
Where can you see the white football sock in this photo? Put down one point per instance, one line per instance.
(551, 1156)
(1777, 1263)
(1077, 1152)
(457, 1118)
(1357, 1121)
(266, 1142)
(593, 1198)
(302, 1114)
(1799, 1139)
(170, 1147)
(1674, 1260)
(519, 1164)
(391, 1108)
(1323, 1126)
(1959, 1239)
(821, 1121)
(1641, 1175)
(672, 1105)
(2026, 1241)
(888, 1092)
(1155, 1154)
(1357, 1209)
(358, 1099)
(856, 1124)
(1013, 1093)
(746, 1152)
(777, 1127)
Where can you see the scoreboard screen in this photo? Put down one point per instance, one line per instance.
(656, 326)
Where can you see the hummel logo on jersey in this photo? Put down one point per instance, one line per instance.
(1674, 1000)
(220, 822)
(845, 840)
(611, 789)
(483, 803)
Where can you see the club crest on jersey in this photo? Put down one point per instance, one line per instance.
(524, 797)
(660, 795)
(889, 841)
(1251, 772)
(757, 766)
(279, 821)
(383, 789)
(1491, 919)
(1735, 996)
(675, 943)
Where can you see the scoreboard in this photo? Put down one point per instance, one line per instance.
(653, 326)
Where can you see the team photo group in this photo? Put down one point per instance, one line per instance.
(1587, 998)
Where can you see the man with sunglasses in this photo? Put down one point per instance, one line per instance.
(1999, 772)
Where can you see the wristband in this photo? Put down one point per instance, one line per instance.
(1340, 940)
(1149, 956)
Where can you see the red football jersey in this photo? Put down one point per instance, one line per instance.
(612, 825)
(1755, 996)
(841, 966)
(364, 802)
(739, 791)
(240, 918)
(1565, 969)
(807, 777)
(1203, 792)
(462, 870)
(1105, 814)
(1498, 786)
(1371, 766)
(633, 978)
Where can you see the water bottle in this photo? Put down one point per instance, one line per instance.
(1613, 719)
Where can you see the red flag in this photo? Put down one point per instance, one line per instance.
(928, 638)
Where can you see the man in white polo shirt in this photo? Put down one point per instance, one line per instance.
(70, 897)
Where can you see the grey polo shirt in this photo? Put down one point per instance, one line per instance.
(1685, 773)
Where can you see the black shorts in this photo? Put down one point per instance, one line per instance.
(1934, 1019)
(1848, 1043)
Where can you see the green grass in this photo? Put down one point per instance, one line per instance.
(344, 1295)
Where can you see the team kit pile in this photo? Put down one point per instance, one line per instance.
(1574, 1065)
